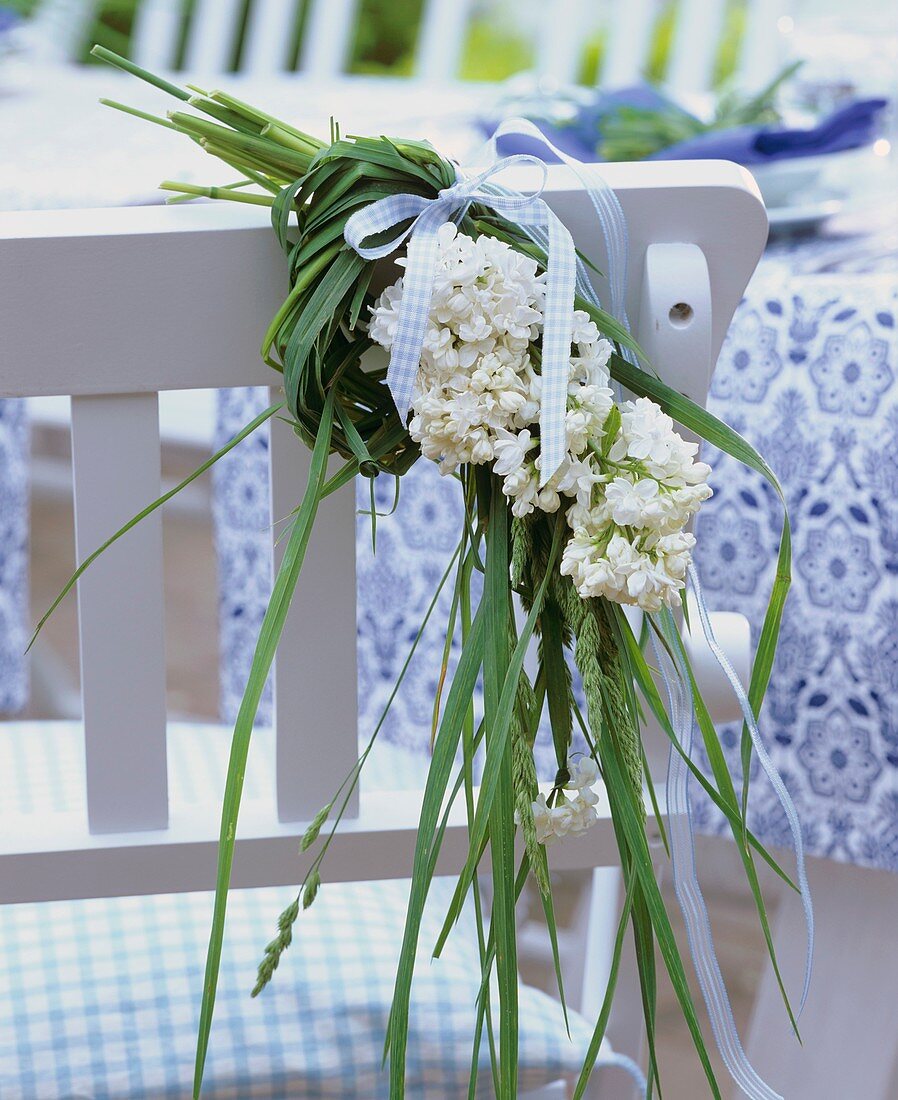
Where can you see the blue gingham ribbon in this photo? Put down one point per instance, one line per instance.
(425, 217)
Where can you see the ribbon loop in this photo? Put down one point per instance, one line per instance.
(451, 204)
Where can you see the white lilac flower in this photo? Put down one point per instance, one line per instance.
(574, 806)
(511, 450)
(477, 399)
(584, 773)
(542, 819)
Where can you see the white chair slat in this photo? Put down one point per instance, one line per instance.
(269, 36)
(115, 457)
(315, 700)
(212, 35)
(696, 43)
(441, 38)
(58, 30)
(763, 51)
(560, 46)
(629, 32)
(327, 37)
(156, 33)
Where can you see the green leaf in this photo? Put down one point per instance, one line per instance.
(628, 819)
(557, 680)
(497, 745)
(598, 1034)
(496, 598)
(642, 675)
(269, 635)
(720, 435)
(721, 773)
(426, 851)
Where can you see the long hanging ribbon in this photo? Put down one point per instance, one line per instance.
(682, 832)
(770, 771)
(685, 878)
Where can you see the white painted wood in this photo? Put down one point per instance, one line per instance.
(327, 37)
(212, 35)
(269, 37)
(115, 459)
(49, 855)
(695, 45)
(763, 50)
(601, 913)
(628, 34)
(58, 30)
(441, 38)
(156, 33)
(848, 1026)
(675, 317)
(132, 254)
(564, 30)
(316, 706)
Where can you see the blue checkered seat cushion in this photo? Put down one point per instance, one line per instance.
(100, 998)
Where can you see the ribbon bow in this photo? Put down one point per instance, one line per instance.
(451, 204)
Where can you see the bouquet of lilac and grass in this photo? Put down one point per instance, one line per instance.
(506, 372)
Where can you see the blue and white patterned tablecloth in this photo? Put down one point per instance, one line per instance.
(808, 374)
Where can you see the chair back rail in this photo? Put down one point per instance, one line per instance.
(93, 304)
(205, 38)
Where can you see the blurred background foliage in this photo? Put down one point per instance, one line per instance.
(386, 31)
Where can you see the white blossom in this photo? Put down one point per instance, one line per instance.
(477, 399)
(574, 805)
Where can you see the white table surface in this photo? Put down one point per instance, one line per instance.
(61, 149)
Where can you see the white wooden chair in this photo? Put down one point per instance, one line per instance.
(80, 312)
(560, 31)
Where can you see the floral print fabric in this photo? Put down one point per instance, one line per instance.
(808, 374)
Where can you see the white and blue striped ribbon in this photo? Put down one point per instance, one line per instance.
(425, 217)
(608, 209)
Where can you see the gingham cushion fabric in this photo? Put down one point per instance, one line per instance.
(100, 998)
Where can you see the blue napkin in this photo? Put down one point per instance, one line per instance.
(850, 127)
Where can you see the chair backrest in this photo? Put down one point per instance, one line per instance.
(212, 36)
(113, 306)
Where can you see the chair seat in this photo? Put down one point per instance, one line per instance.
(100, 998)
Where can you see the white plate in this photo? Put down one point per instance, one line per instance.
(804, 215)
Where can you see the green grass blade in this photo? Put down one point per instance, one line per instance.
(496, 665)
(557, 680)
(269, 635)
(496, 747)
(643, 678)
(629, 821)
(721, 774)
(720, 435)
(598, 1034)
(119, 62)
(426, 852)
